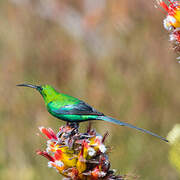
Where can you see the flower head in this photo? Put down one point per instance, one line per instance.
(172, 21)
(77, 156)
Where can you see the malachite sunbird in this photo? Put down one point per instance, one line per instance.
(73, 110)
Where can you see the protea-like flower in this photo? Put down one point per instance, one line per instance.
(172, 21)
(78, 156)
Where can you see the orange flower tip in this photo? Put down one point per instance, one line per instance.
(45, 154)
(41, 136)
(164, 5)
(52, 133)
(85, 144)
(58, 155)
(48, 132)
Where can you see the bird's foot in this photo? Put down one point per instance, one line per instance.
(68, 134)
(74, 125)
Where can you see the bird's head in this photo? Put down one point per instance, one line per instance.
(48, 92)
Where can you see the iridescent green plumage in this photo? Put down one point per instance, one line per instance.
(71, 109)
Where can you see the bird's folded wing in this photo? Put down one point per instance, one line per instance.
(81, 108)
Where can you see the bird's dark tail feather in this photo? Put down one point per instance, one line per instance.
(115, 121)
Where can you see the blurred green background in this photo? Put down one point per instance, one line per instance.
(114, 54)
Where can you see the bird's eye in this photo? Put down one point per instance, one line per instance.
(40, 88)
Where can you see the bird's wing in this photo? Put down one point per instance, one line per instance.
(81, 108)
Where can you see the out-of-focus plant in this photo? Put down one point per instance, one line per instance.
(174, 153)
(172, 21)
(78, 156)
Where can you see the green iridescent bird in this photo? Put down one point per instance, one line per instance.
(73, 110)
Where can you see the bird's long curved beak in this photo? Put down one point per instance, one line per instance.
(28, 85)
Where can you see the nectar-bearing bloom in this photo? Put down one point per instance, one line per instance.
(172, 21)
(77, 156)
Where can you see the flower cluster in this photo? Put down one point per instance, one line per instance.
(172, 21)
(77, 156)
